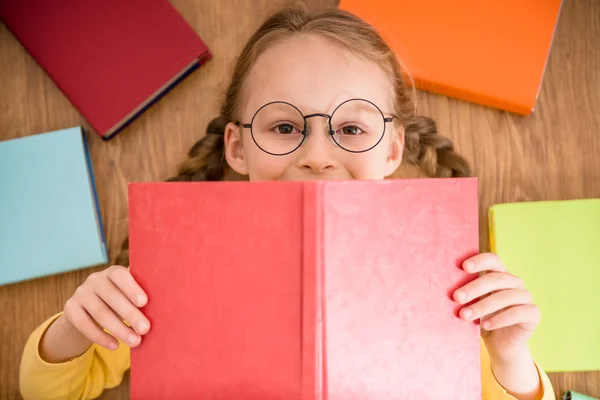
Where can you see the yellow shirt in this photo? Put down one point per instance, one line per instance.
(87, 376)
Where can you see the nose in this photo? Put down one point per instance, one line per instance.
(317, 153)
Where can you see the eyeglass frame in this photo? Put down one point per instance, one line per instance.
(305, 130)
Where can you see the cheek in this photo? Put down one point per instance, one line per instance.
(263, 166)
(367, 166)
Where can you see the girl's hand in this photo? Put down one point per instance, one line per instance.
(104, 301)
(505, 308)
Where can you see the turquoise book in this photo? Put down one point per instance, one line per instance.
(49, 215)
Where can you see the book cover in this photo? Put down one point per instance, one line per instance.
(49, 216)
(111, 58)
(553, 246)
(492, 53)
(304, 290)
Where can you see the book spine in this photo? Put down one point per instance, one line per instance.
(313, 380)
(510, 104)
(112, 132)
(492, 230)
(92, 182)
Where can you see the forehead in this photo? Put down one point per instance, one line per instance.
(315, 74)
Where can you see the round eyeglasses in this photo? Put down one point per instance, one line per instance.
(279, 128)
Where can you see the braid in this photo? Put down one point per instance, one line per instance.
(433, 153)
(206, 159)
(205, 162)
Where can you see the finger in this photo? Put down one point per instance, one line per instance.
(486, 284)
(527, 316)
(79, 318)
(496, 302)
(484, 262)
(121, 305)
(123, 279)
(107, 319)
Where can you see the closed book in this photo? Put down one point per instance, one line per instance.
(49, 216)
(553, 247)
(111, 58)
(493, 53)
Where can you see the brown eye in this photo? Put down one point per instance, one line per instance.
(351, 130)
(285, 129)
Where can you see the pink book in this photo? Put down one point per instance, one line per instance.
(304, 290)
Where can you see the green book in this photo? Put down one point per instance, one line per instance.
(555, 247)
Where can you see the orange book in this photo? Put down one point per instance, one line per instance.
(489, 52)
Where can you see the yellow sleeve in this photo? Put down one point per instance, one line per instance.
(83, 377)
(87, 376)
(492, 390)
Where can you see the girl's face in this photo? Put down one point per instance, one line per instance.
(314, 75)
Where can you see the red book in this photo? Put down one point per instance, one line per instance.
(111, 58)
(304, 290)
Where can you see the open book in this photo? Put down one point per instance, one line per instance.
(304, 290)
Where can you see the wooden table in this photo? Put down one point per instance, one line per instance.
(553, 154)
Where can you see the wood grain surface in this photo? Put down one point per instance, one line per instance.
(552, 154)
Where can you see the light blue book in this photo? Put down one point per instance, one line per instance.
(49, 215)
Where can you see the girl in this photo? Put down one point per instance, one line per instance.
(297, 83)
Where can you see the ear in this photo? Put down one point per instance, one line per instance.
(396, 149)
(234, 149)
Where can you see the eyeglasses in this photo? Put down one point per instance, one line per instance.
(279, 128)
